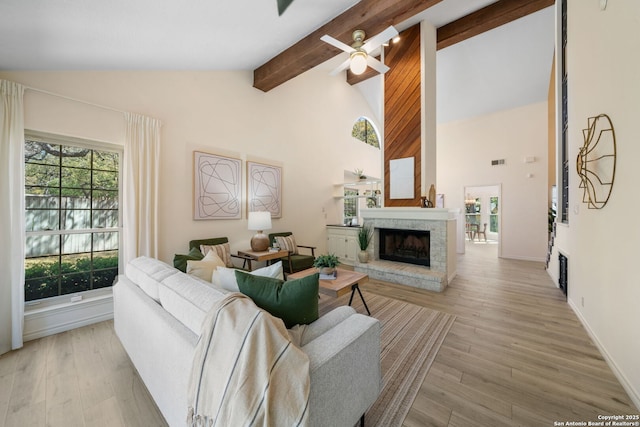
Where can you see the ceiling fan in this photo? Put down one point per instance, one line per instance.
(283, 5)
(360, 51)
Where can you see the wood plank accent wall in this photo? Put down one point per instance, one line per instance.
(402, 110)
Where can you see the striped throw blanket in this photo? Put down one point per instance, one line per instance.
(246, 371)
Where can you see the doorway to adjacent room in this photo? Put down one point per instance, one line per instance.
(482, 206)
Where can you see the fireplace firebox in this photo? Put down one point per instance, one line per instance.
(410, 246)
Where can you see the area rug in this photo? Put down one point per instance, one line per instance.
(410, 339)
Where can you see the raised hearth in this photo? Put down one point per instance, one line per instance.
(439, 224)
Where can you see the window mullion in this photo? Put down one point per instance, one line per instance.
(81, 253)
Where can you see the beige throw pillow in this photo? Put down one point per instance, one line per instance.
(223, 251)
(204, 268)
(287, 243)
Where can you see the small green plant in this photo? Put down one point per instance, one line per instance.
(364, 237)
(328, 260)
(359, 173)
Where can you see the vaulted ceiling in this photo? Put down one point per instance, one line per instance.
(374, 16)
(215, 35)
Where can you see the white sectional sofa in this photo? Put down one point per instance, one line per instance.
(158, 312)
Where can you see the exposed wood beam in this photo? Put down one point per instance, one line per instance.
(487, 18)
(372, 16)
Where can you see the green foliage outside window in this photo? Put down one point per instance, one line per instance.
(51, 169)
(71, 218)
(364, 131)
(493, 214)
(47, 277)
(350, 203)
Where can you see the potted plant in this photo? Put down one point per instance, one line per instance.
(364, 238)
(326, 263)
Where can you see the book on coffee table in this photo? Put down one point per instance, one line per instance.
(329, 276)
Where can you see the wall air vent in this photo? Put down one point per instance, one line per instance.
(497, 162)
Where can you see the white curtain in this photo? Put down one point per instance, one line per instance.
(141, 166)
(12, 231)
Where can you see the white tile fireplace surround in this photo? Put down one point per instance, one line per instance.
(441, 224)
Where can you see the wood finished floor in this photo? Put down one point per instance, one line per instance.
(515, 356)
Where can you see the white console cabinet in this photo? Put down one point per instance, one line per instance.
(343, 242)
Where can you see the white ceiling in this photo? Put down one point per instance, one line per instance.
(507, 67)
(244, 34)
(166, 34)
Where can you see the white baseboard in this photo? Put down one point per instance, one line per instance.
(524, 258)
(58, 318)
(628, 387)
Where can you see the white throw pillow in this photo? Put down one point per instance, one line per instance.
(204, 268)
(226, 277)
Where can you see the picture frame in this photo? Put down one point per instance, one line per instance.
(440, 200)
(264, 188)
(217, 186)
(401, 178)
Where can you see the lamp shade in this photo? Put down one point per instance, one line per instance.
(259, 221)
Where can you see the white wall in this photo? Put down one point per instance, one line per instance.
(603, 69)
(465, 151)
(304, 125)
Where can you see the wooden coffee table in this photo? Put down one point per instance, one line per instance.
(345, 281)
(268, 256)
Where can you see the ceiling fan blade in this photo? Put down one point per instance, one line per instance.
(283, 5)
(336, 43)
(377, 40)
(341, 67)
(376, 65)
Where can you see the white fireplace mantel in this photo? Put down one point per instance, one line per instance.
(410, 213)
(441, 224)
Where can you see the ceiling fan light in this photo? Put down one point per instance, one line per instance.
(358, 63)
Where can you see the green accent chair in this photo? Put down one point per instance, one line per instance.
(212, 241)
(180, 261)
(295, 262)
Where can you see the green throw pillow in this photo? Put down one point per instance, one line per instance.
(294, 301)
(180, 261)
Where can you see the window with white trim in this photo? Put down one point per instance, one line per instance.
(72, 215)
(364, 131)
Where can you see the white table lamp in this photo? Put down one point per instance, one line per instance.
(259, 221)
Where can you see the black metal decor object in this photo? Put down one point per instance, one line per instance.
(283, 5)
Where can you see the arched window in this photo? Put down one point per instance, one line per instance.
(364, 131)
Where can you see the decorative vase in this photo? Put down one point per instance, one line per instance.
(432, 196)
(363, 256)
(327, 270)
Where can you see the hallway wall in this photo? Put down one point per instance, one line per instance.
(465, 151)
